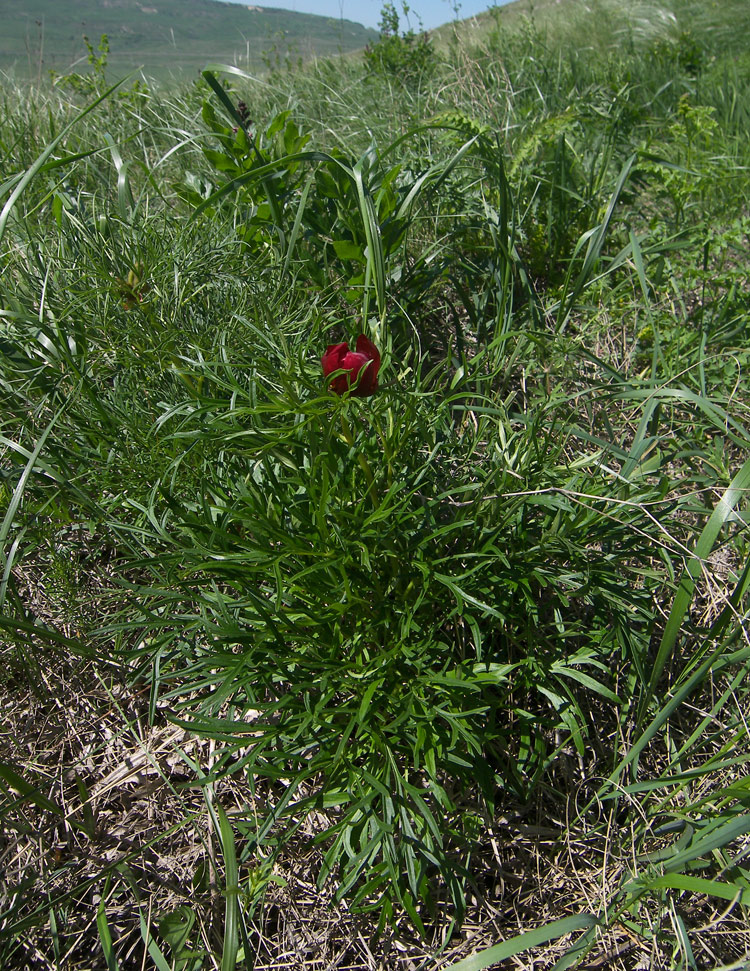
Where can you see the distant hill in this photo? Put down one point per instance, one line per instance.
(164, 36)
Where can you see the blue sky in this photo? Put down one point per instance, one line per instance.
(432, 13)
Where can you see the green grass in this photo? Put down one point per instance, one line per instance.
(393, 650)
(604, 25)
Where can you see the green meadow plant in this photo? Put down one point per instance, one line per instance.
(399, 54)
(335, 221)
(394, 597)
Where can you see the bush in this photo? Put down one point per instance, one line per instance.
(401, 55)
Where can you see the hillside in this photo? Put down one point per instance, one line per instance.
(165, 35)
(579, 24)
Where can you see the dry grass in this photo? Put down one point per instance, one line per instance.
(128, 809)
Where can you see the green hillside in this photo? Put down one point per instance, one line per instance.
(599, 24)
(165, 35)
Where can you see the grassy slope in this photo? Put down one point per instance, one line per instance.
(222, 539)
(580, 23)
(164, 35)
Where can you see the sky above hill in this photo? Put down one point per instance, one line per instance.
(425, 13)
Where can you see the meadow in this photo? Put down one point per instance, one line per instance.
(439, 662)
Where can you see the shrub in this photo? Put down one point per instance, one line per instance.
(401, 55)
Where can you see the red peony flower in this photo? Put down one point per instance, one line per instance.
(361, 367)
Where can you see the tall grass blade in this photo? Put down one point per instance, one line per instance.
(231, 892)
(594, 249)
(524, 942)
(39, 163)
(738, 488)
(105, 935)
(125, 201)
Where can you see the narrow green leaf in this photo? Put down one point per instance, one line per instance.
(717, 838)
(27, 790)
(594, 249)
(231, 892)
(681, 881)
(154, 951)
(716, 661)
(18, 492)
(524, 942)
(103, 929)
(125, 201)
(737, 489)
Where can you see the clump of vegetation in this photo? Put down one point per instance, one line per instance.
(400, 54)
(403, 641)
